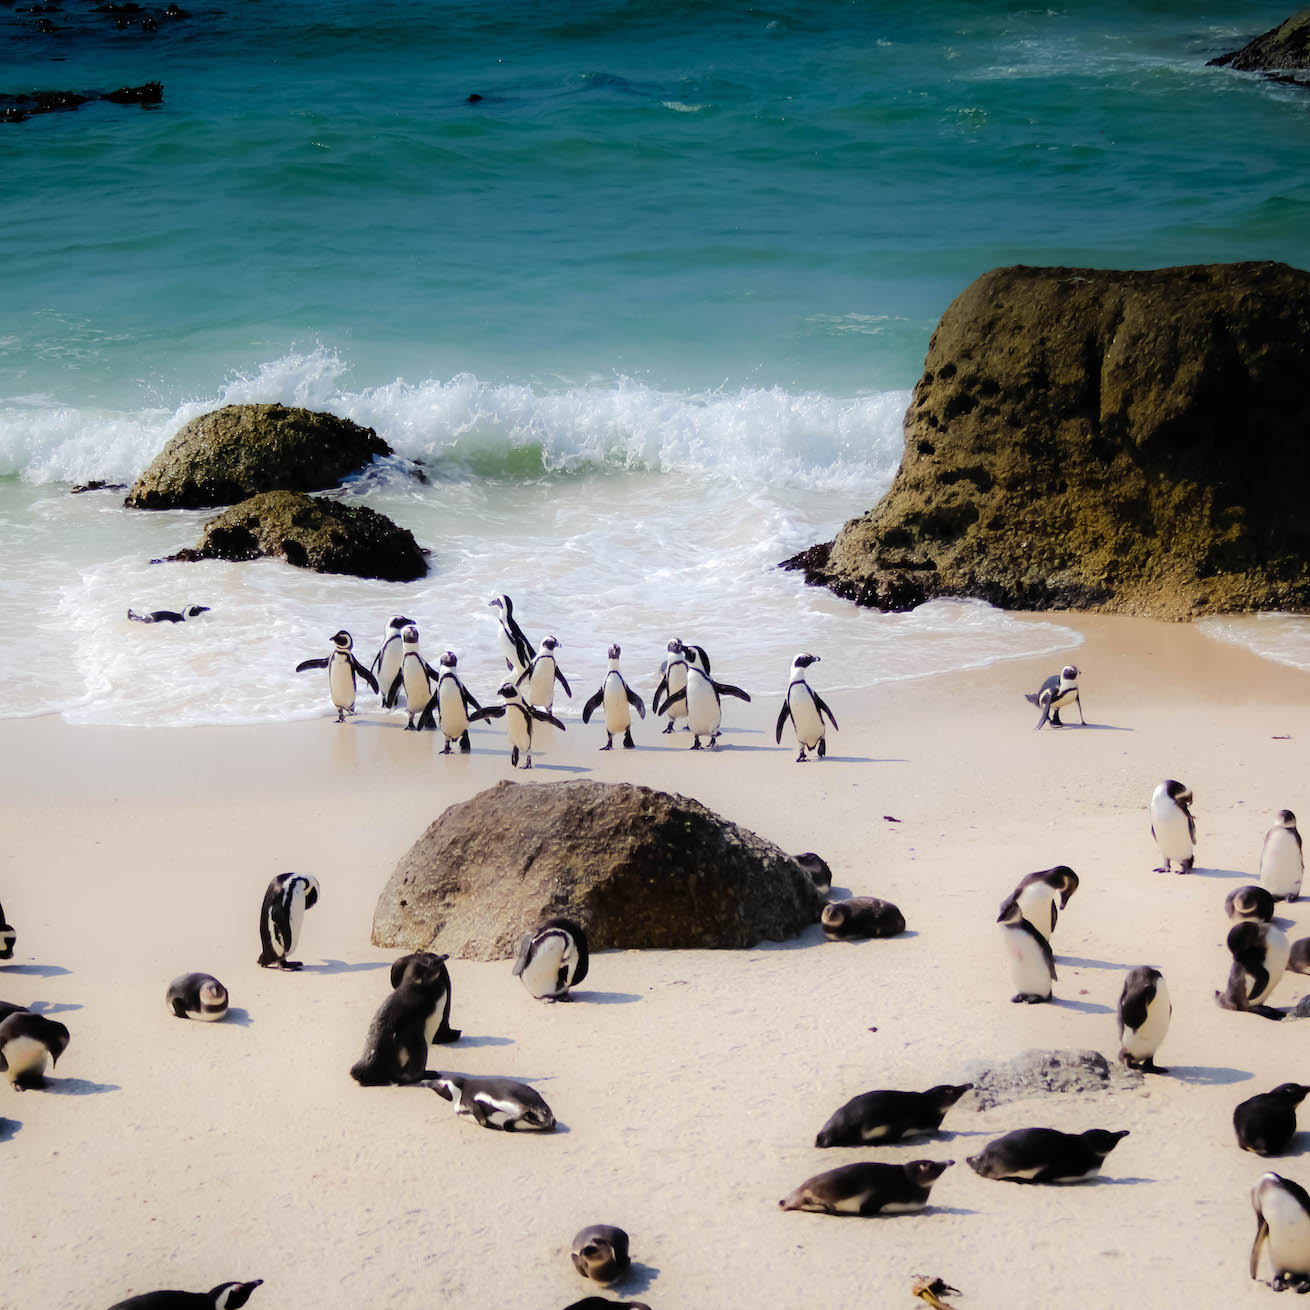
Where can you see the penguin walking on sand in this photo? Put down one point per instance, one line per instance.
(514, 644)
(1057, 692)
(416, 675)
(1172, 825)
(28, 1043)
(451, 703)
(1032, 965)
(673, 679)
(538, 680)
(169, 616)
(197, 996)
(1282, 1217)
(415, 1016)
(702, 694)
(1144, 1014)
(1036, 895)
(343, 668)
(7, 937)
(519, 718)
(805, 708)
(619, 700)
(226, 1296)
(386, 663)
(551, 958)
(1260, 952)
(1281, 861)
(287, 898)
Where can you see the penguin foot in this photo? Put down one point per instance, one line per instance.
(609, 745)
(341, 716)
(445, 750)
(695, 745)
(527, 764)
(669, 728)
(628, 743)
(823, 748)
(409, 727)
(292, 965)
(1028, 998)
(800, 759)
(465, 746)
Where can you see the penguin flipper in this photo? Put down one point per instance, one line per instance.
(583, 960)
(1045, 703)
(563, 682)
(468, 697)
(592, 704)
(822, 706)
(727, 689)
(393, 692)
(179, 1009)
(544, 717)
(1132, 1008)
(527, 673)
(362, 672)
(1261, 1232)
(676, 698)
(1031, 697)
(660, 690)
(433, 674)
(783, 715)
(488, 712)
(639, 705)
(428, 719)
(521, 959)
(311, 664)
(1191, 825)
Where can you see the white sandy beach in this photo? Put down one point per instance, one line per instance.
(690, 1084)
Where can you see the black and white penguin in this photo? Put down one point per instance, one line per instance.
(1282, 1215)
(168, 616)
(1298, 957)
(226, 1296)
(1266, 1124)
(673, 679)
(519, 717)
(197, 996)
(817, 867)
(28, 1043)
(502, 1103)
(1036, 895)
(9, 1007)
(1058, 691)
(450, 704)
(1172, 825)
(1144, 1014)
(604, 1303)
(1045, 1155)
(1260, 952)
(287, 898)
(537, 681)
(514, 645)
(386, 663)
(868, 1189)
(551, 958)
(805, 708)
(415, 1016)
(1281, 862)
(1249, 902)
(860, 916)
(7, 937)
(600, 1252)
(889, 1116)
(415, 674)
(1032, 965)
(343, 668)
(702, 695)
(619, 700)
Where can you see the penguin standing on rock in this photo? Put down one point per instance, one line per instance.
(416, 675)
(451, 702)
(514, 645)
(1144, 1014)
(519, 718)
(1058, 691)
(1032, 965)
(343, 668)
(552, 958)
(805, 708)
(415, 1016)
(1260, 952)
(617, 697)
(287, 898)
(1282, 1217)
(386, 662)
(7, 937)
(1172, 825)
(1281, 861)
(226, 1296)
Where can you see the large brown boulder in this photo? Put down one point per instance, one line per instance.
(1286, 46)
(1090, 439)
(635, 867)
(238, 451)
(312, 532)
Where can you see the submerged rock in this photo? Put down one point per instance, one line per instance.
(635, 867)
(1045, 1073)
(1286, 46)
(19, 108)
(1091, 439)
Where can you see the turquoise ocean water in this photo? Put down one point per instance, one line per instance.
(649, 310)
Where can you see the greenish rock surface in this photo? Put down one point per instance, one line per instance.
(1284, 47)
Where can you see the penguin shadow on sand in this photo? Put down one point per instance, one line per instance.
(483, 1039)
(1198, 872)
(604, 998)
(77, 1086)
(36, 970)
(1082, 1007)
(559, 768)
(52, 1007)
(1080, 962)
(636, 1278)
(238, 1015)
(8, 1128)
(1200, 1075)
(340, 966)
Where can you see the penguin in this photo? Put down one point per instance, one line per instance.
(617, 697)
(818, 870)
(1281, 864)
(1249, 902)
(1282, 1214)
(1054, 694)
(514, 645)
(1298, 958)
(888, 1116)
(1045, 1155)
(28, 1042)
(502, 1103)
(551, 958)
(1144, 1014)
(288, 896)
(9, 1007)
(868, 1189)
(168, 616)
(1036, 895)
(673, 679)
(702, 695)
(1172, 825)
(387, 661)
(197, 996)
(415, 674)
(1260, 953)
(603, 1303)
(1032, 966)
(7, 937)
(415, 1016)
(519, 717)
(805, 708)
(226, 1296)
(860, 916)
(541, 675)
(1266, 1124)
(450, 703)
(600, 1252)
(343, 668)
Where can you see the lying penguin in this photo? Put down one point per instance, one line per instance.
(226, 1296)
(868, 1188)
(500, 1103)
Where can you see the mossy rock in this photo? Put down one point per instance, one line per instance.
(1284, 47)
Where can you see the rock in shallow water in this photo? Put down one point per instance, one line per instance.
(1286, 46)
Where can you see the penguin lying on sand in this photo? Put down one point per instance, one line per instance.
(500, 1103)
(600, 1252)
(1045, 1155)
(226, 1296)
(197, 996)
(868, 1188)
(1266, 1123)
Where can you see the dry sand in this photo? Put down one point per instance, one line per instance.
(690, 1084)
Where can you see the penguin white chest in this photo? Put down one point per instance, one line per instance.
(541, 683)
(1277, 949)
(518, 727)
(25, 1056)
(1289, 1231)
(295, 916)
(677, 681)
(433, 1021)
(1281, 865)
(389, 665)
(703, 712)
(341, 682)
(617, 715)
(1037, 901)
(1173, 833)
(509, 650)
(1028, 968)
(417, 688)
(1143, 1042)
(805, 715)
(541, 976)
(450, 705)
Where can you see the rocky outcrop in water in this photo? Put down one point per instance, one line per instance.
(1282, 49)
(239, 451)
(1132, 442)
(311, 532)
(635, 867)
(19, 108)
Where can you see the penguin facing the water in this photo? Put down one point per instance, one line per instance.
(416, 675)
(28, 1042)
(451, 702)
(519, 718)
(537, 681)
(805, 708)
(551, 958)
(514, 645)
(343, 668)
(7, 937)
(1036, 893)
(287, 898)
(617, 697)
(197, 996)
(1058, 691)
(1282, 1217)
(673, 679)
(387, 661)
(169, 616)
(1260, 952)
(1032, 965)
(1281, 861)
(415, 1016)
(1172, 825)
(226, 1296)
(1144, 1014)
(702, 696)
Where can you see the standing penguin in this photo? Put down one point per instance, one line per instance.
(1059, 690)
(551, 958)
(451, 702)
(1036, 895)
(1260, 952)
(1032, 966)
(197, 996)
(415, 674)
(343, 668)
(704, 711)
(806, 708)
(1144, 1014)
(1281, 863)
(387, 661)
(415, 1016)
(519, 717)
(617, 697)
(673, 679)
(1282, 1215)
(288, 896)
(1172, 825)
(28, 1042)
(7, 937)
(541, 675)
(226, 1296)
(514, 645)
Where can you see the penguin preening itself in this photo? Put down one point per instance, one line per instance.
(806, 708)
(451, 703)
(551, 958)
(868, 1189)
(197, 996)
(541, 675)
(502, 1103)
(1144, 1014)
(415, 1016)
(1172, 825)
(343, 668)
(226, 1296)
(514, 645)
(287, 898)
(1036, 895)
(519, 717)
(416, 675)
(168, 616)
(387, 660)
(1266, 1124)
(1249, 903)
(1032, 965)
(28, 1042)
(7, 937)
(673, 679)
(888, 1116)
(617, 697)
(1045, 1155)
(1058, 691)
(600, 1252)
(1281, 861)
(1260, 952)
(1282, 1215)
(702, 695)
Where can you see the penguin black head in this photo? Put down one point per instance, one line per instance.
(421, 969)
(398, 621)
(675, 647)
(232, 1296)
(833, 916)
(1287, 818)
(509, 691)
(1177, 791)
(804, 661)
(1102, 1141)
(1292, 1093)
(409, 635)
(549, 643)
(615, 650)
(1065, 881)
(924, 1172)
(501, 602)
(1069, 673)
(448, 660)
(442, 1085)
(192, 610)
(946, 1094)
(343, 640)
